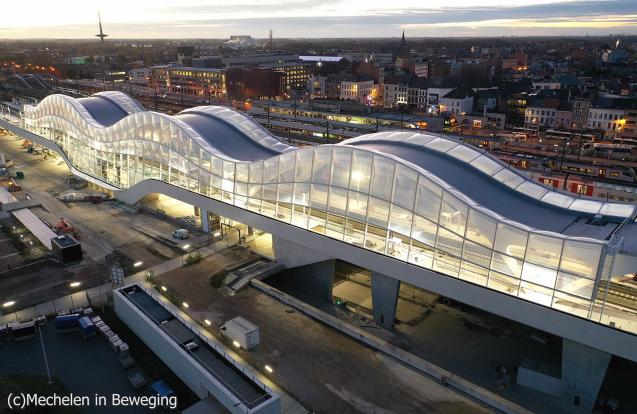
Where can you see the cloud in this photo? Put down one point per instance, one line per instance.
(340, 18)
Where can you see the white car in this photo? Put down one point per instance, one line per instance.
(181, 234)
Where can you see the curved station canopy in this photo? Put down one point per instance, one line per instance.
(427, 200)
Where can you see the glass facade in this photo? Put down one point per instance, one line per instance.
(346, 193)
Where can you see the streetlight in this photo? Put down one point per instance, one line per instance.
(185, 305)
(207, 322)
(186, 246)
(269, 369)
(74, 284)
(164, 289)
(137, 264)
(8, 304)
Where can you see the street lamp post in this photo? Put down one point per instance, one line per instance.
(46, 360)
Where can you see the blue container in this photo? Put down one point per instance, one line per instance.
(87, 327)
(66, 321)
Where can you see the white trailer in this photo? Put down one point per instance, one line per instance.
(243, 333)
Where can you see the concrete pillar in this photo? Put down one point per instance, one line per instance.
(384, 299)
(317, 279)
(315, 270)
(205, 221)
(583, 371)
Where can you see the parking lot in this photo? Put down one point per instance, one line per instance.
(84, 367)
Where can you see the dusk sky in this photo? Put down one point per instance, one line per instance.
(315, 18)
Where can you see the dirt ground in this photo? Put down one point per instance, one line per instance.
(324, 370)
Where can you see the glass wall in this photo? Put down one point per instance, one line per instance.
(345, 193)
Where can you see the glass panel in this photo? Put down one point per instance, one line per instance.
(533, 190)
(300, 216)
(286, 169)
(503, 283)
(271, 170)
(581, 258)
(480, 228)
(361, 171)
(318, 197)
(355, 232)
(441, 144)
(337, 200)
(335, 226)
(405, 187)
(506, 264)
(473, 273)
(508, 178)
(303, 168)
(476, 254)
(539, 275)
(256, 172)
(558, 199)
(400, 220)
(544, 250)
(357, 206)
(453, 214)
(378, 212)
(487, 165)
(510, 240)
(571, 304)
(421, 254)
(228, 170)
(269, 192)
(589, 206)
(302, 194)
(316, 222)
(464, 153)
(382, 177)
(398, 245)
(341, 167)
(322, 165)
(424, 230)
(575, 285)
(449, 242)
(284, 212)
(285, 193)
(446, 263)
(428, 199)
(376, 238)
(242, 172)
(536, 293)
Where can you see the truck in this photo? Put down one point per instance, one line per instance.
(241, 332)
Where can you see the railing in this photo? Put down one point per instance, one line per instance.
(216, 348)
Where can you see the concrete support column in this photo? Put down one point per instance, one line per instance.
(583, 371)
(318, 279)
(205, 221)
(384, 299)
(315, 270)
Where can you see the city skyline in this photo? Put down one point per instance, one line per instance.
(331, 18)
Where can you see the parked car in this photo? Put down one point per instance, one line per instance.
(181, 234)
